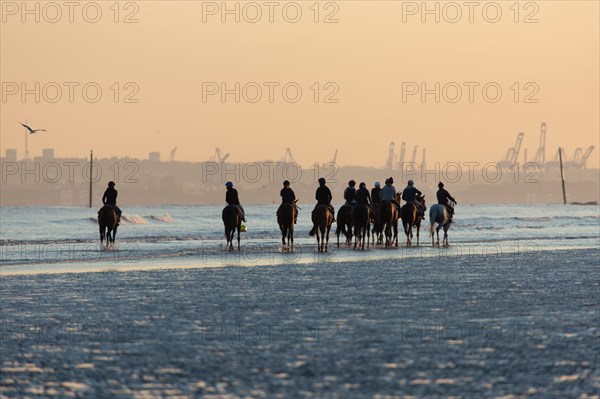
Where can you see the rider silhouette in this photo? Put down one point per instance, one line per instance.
(388, 193)
(350, 193)
(289, 197)
(363, 196)
(110, 198)
(410, 194)
(232, 198)
(443, 196)
(323, 195)
(375, 198)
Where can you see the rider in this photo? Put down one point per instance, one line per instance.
(232, 198)
(388, 192)
(410, 194)
(363, 196)
(350, 193)
(289, 197)
(443, 196)
(323, 195)
(110, 198)
(375, 198)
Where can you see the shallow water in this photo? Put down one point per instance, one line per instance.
(34, 239)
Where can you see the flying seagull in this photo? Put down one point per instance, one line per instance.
(32, 131)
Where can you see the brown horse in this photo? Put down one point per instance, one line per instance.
(388, 219)
(232, 220)
(107, 221)
(411, 218)
(286, 214)
(322, 219)
(344, 224)
(361, 219)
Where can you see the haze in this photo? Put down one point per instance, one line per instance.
(368, 54)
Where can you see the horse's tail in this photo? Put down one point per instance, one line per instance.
(313, 231)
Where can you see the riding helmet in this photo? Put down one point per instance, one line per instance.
(111, 183)
(362, 184)
(352, 183)
(391, 179)
(377, 184)
(229, 184)
(440, 184)
(286, 182)
(321, 181)
(410, 182)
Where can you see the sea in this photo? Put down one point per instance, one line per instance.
(66, 239)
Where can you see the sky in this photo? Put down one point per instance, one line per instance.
(354, 76)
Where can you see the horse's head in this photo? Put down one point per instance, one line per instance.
(421, 200)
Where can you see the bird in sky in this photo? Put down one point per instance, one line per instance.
(32, 131)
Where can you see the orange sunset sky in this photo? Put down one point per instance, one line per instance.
(366, 57)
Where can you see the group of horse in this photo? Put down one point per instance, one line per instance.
(352, 221)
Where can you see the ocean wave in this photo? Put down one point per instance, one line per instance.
(533, 219)
(133, 219)
(166, 218)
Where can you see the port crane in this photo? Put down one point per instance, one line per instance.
(218, 157)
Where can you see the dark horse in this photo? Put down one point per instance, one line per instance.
(285, 218)
(322, 219)
(107, 221)
(440, 215)
(361, 219)
(344, 224)
(232, 220)
(377, 231)
(411, 218)
(388, 220)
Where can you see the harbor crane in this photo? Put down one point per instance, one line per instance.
(218, 157)
(583, 160)
(540, 155)
(401, 156)
(334, 157)
(512, 153)
(414, 155)
(172, 155)
(390, 161)
(288, 157)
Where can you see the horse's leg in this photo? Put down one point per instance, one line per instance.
(291, 236)
(238, 235)
(396, 234)
(437, 231)
(418, 229)
(318, 241)
(101, 236)
(446, 234)
(327, 237)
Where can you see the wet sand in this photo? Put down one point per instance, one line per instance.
(463, 326)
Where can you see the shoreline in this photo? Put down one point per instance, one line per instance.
(483, 326)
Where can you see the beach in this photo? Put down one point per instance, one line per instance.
(459, 326)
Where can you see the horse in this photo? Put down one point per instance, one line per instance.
(344, 224)
(232, 220)
(286, 215)
(388, 219)
(411, 218)
(107, 221)
(440, 215)
(361, 219)
(377, 231)
(322, 219)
